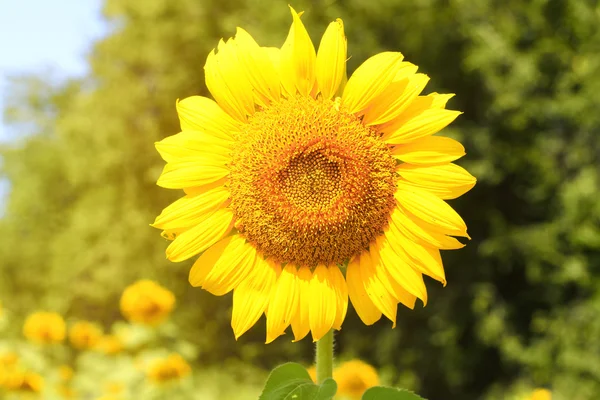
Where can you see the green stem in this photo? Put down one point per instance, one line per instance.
(325, 357)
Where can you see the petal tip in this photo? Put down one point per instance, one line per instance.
(293, 11)
(236, 333)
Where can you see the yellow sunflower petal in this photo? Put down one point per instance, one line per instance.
(395, 99)
(430, 209)
(366, 310)
(298, 59)
(191, 172)
(444, 193)
(403, 296)
(171, 234)
(370, 79)
(378, 288)
(418, 106)
(201, 237)
(425, 260)
(300, 320)
(202, 114)
(400, 270)
(193, 144)
(322, 303)
(194, 190)
(446, 181)
(222, 281)
(226, 81)
(205, 263)
(260, 71)
(414, 229)
(425, 124)
(274, 54)
(429, 150)
(433, 264)
(331, 59)
(440, 100)
(223, 266)
(341, 294)
(283, 303)
(445, 175)
(251, 297)
(406, 70)
(192, 209)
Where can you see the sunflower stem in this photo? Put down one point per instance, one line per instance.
(324, 357)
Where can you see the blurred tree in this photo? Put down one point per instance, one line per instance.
(522, 296)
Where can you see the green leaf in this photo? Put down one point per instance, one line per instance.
(302, 392)
(283, 380)
(388, 393)
(327, 390)
(310, 391)
(292, 382)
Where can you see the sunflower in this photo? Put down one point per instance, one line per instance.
(353, 378)
(84, 335)
(21, 381)
(45, 327)
(147, 302)
(8, 359)
(304, 188)
(110, 344)
(168, 369)
(65, 373)
(541, 394)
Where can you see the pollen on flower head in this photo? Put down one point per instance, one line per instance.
(310, 184)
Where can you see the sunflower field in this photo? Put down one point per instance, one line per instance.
(96, 304)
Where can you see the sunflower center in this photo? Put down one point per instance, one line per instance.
(310, 184)
(311, 181)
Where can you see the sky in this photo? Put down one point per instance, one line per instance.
(37, 36)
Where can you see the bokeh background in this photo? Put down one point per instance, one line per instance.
(78, 170)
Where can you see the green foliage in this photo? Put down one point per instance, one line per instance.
(386, 393)
(291, 381)
(522, 298)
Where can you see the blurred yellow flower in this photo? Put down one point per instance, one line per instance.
(114, 388)
(45, 327)
(354, 377)
(65, 373)
(84, 335)
(541, 394)
(9, 358)
(13, 378)
(109, 344)
(292, 173)
(16, 380)
(4, 373)
(147, 302)
(67, 392)
(168, 369)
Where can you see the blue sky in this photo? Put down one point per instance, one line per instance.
(38, 36)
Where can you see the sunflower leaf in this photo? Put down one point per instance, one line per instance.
(326, 390)
(388, 393)
(291, 381)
